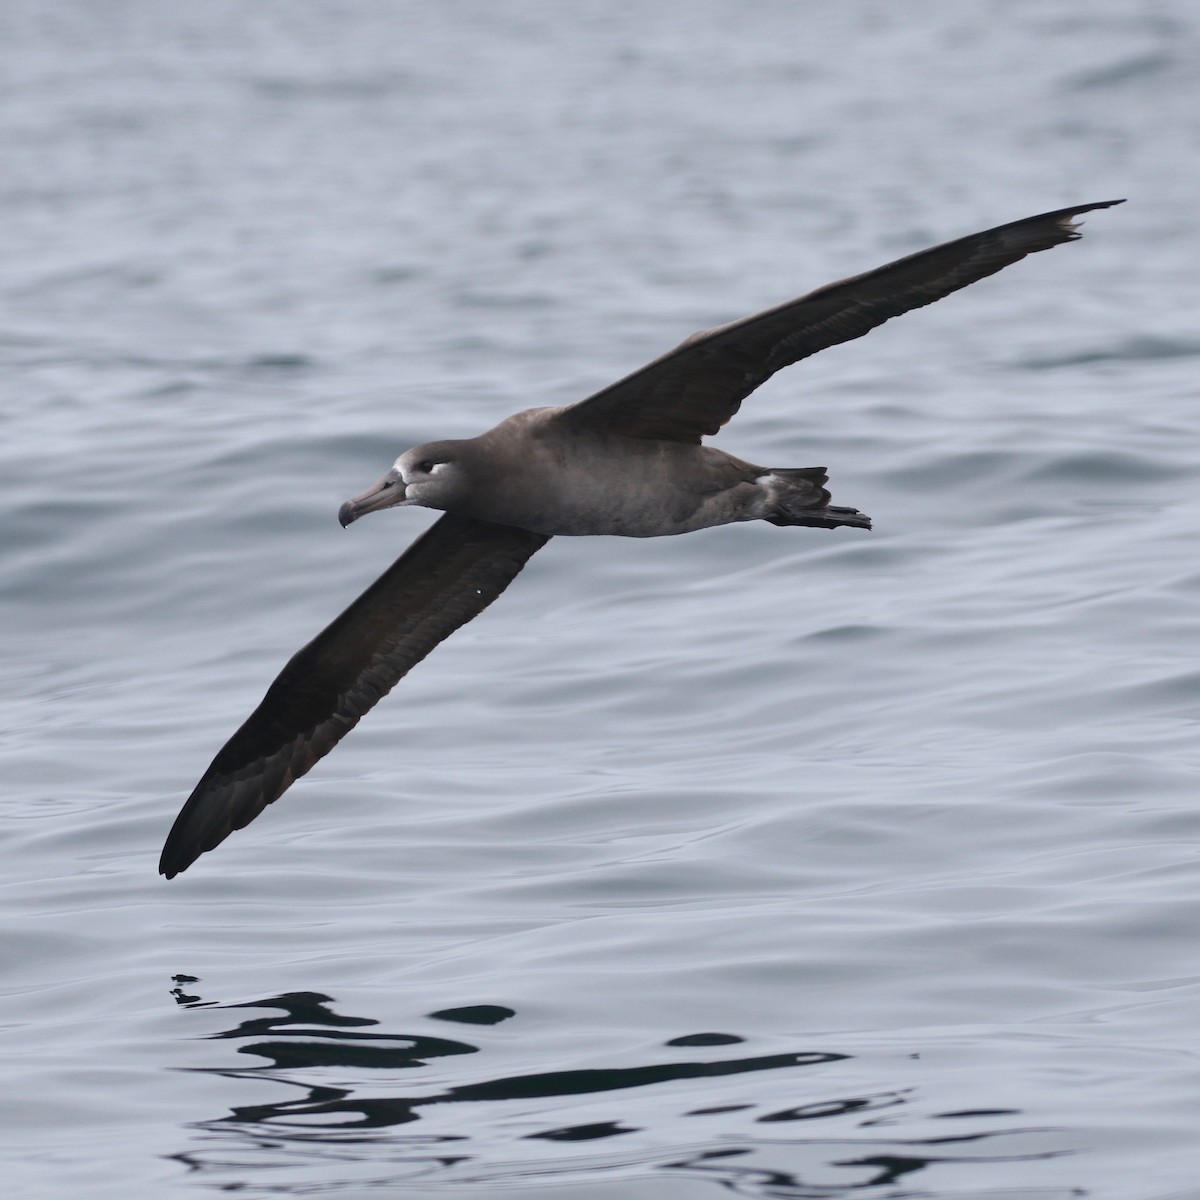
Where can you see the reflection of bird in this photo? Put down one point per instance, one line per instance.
(628, 461)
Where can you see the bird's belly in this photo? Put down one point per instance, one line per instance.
(624, 487)
(634, 511)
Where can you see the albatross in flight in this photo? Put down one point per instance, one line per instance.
(626, 461)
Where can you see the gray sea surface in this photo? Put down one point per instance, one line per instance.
(764, 862)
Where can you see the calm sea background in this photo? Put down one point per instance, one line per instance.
(765, 862)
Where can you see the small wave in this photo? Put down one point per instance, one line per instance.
(1134, 349)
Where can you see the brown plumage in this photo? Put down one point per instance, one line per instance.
(627, 460)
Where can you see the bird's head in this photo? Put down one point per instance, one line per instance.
(432, 476)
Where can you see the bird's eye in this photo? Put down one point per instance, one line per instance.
(425, 466)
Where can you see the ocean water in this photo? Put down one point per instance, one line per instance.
(765, 862)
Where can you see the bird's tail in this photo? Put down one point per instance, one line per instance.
(800, 498)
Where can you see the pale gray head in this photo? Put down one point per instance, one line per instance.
(433, 475)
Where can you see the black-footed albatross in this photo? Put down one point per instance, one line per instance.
(625, 461)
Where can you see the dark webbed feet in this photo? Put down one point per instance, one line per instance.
(802, 499)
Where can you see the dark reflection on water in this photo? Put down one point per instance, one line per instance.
(336, 1126)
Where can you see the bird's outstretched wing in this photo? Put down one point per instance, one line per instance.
(446, 577)
(693, 390)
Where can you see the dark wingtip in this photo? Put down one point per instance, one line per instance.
(1068, 222)
(191, 834)
(173, 861)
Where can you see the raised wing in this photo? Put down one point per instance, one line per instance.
(446, 577)
(693, 390)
